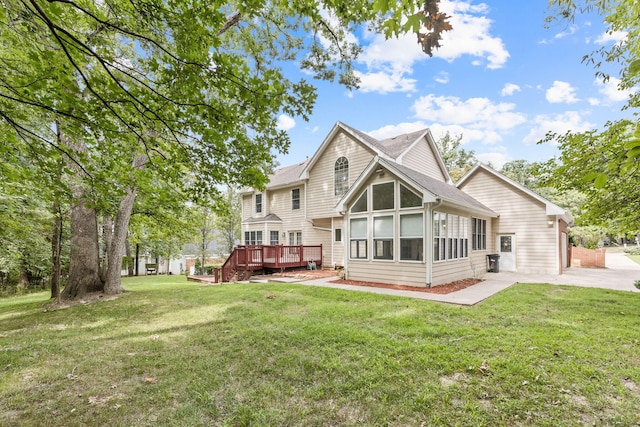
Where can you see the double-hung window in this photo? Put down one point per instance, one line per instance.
(439, 236)
(358, 238)
(258, 203)
(295, 199)
(478, 234)
(274, 237)
(383, 237)
(411, 237)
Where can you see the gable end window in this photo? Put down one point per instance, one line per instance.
(295, 199)
(341, 176)
(258, 203)
(409, 199)
(383, 196)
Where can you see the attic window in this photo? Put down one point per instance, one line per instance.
(341, 176)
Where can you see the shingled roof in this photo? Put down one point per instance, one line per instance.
(392, 147)
(440, 189)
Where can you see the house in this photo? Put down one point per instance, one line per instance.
(387, 211)
(531, 233)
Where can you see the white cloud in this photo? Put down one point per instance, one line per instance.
(442, 77)
(611, 91)
(285, 122)
(471, 35)
(509, 89)
(561, 92)
(594, 102)
(438, 130)
(385, 82)
(476, 113)
(388, 62)
(558, 123)
(496, 158)
(611, 36)
(569, 31)
(390, 131)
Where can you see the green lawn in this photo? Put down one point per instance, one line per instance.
(175, 353)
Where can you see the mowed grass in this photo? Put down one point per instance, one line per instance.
(173, 353)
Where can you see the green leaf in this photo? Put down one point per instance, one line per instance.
(600, 181)
(634, 68)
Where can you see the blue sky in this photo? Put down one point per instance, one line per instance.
(501, 79)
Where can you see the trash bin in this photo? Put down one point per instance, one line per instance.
(493, 261)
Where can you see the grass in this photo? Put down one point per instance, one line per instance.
(635, 258)
(175, 353)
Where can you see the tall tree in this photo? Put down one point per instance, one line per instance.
(456, 159)
(171, 87)
(604, 164)
(228, 222)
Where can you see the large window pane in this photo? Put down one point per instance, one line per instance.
(383, 196)
(358, 228)
(411, 225)
(411, 249)
(383, 226)
(409, 199)
(361, 204)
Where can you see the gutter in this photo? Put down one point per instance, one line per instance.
(429, 240)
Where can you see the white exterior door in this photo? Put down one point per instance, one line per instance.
(507, 251)
(563, 248)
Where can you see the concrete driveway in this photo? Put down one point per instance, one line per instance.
(620, 275)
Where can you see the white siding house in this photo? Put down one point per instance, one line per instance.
(387, 211)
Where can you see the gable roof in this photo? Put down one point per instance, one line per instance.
(266, 218)
(283, 177)
(389, 148)
(551, 208)
(286, 175)
(431, 188)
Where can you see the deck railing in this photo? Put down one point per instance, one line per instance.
(249, 258)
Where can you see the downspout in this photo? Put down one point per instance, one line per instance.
(429, 240)
(346, 226)
(332, 239)
(556, 230)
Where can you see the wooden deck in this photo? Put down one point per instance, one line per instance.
(252, 258)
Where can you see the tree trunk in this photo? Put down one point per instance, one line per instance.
(113, 284)
(56, 247)
(84, 259)
(137, 258)
(127, 248)
(107, 237)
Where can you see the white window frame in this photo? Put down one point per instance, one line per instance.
(410, 237)
(478, 234)
(256, 204)
(384, 241)
(295, 199)
(341, 176)
(372, 200)
(359, 239)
